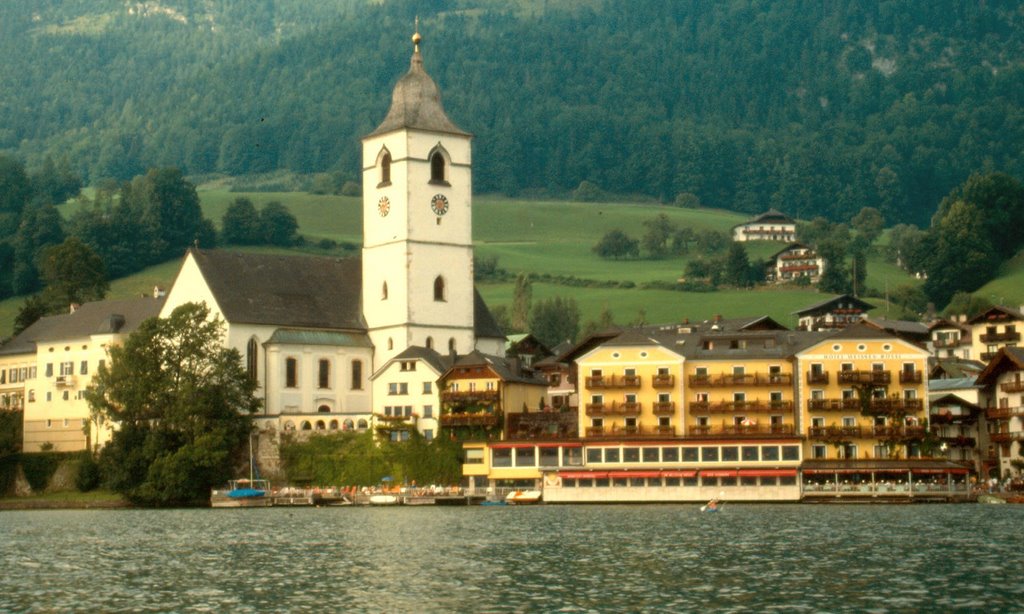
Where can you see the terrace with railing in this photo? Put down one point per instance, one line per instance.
(740, 430)
(730, 380)
(613, 381)
(614, 408)
(874, 377)
(728, 407)
(611, 432)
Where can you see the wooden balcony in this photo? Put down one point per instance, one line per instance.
(875, 378)
(1003, 413)
(663, 380)
(895, 406)
(1001, 337)
(834, 433)
(613, 409)
(833, 404)
(945, 343)
(1017, 386)
(729, 407)
(1006, 437)
(817, 378)
(488, 419)
(987, 356)
(664, 408)
(910, 377)
(603, 432)
(613, 381)
(747, 379)
(941, 419)
(898, 431)
(740, 430)
(467, 397)
(959, 442)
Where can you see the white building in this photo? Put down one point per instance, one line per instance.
(771, 225)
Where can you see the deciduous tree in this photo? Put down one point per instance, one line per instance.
(181, 402)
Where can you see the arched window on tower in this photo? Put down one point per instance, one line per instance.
(385, 169)
(439, 288)
(451, 345)
(252, 358)
(437, 168)
(384, 292)
(430, 343)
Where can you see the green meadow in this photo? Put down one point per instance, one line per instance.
(556, 238)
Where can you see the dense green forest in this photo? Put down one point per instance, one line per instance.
(815, 108)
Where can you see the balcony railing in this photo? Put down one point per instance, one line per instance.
(817, 378)
(893, 406)
(865, 377)
(987, 356)
(1003, 413)
(959, 442)
(740, 430)
(470, 396)
(613, 381)
(747, 379)
(945, 343)
(663, 380)
(613, 409)
(728, 407)
(598, 432)
(901, 431)
(471, 419)
(1000, 337)
(65, 381)
(664, 408)
(386, 418)
(1017, 386)
(833, 404)
(1007, 437)
(834, 433)
(910, 377)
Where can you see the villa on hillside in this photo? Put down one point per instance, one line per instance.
(771, 225)
(836, 312)
(793, 262)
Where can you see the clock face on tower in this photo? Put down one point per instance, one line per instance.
(439, 204)
(383, 206)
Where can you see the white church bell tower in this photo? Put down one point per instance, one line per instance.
(417, 259)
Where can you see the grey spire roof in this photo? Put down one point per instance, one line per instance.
(416, 104)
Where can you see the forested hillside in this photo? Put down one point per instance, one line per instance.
(815, 108)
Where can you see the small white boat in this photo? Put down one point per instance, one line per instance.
(242, 493)
(523, 497)
(383, 500)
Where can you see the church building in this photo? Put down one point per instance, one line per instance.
(320, 334)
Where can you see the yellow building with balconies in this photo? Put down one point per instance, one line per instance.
(630, 387)
(863, 394)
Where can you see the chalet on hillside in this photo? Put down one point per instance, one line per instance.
(793, 262)
(837, 312)
(771, 225)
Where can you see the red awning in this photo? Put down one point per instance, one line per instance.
(680, 473)
(930, 470)
(582, 475)
(767, 473)
(718, 473)
(634, 474)
(831, 471)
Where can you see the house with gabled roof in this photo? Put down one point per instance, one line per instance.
(771, 225)
(1003, 382)
(832, 313)
(793, 262)
(410, 399)
(949, 339)
(47, 367)
(995, 328)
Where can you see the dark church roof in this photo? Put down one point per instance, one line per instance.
(304, 292)
(284, 291)
(416, 103)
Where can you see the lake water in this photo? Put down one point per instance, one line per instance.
(544, 558)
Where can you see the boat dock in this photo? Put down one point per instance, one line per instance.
(316, 497)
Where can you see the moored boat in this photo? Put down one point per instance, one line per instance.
(523, 497)
(242, 493)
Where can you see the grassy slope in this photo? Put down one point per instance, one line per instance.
(546, 237)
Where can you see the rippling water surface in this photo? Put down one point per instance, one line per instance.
(543, 558)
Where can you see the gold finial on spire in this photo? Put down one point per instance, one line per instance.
(416, 38)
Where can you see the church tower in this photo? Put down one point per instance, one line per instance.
(417, 259)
